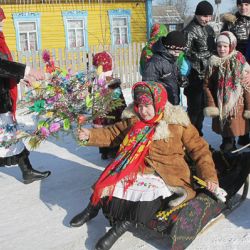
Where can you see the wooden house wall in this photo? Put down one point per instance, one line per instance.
(52, 26)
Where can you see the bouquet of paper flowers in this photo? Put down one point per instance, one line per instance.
(66, 101)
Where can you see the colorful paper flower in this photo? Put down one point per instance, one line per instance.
(54, 127)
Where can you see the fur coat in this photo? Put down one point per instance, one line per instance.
(173, 134)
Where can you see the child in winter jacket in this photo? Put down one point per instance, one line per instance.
(227, 98)
(163, 65)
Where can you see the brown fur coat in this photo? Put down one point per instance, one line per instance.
(166, 153)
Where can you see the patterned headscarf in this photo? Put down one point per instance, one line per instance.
(228, 38)
(142, 95)
(130, 157)
(157, 31)
(105, 59)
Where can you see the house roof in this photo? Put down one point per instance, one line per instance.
(166, 14)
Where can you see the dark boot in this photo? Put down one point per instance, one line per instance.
(228, 144)
(87, 214)
(117, 230)
(30, 174)
(243, 140)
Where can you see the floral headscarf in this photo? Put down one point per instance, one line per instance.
(157, 31)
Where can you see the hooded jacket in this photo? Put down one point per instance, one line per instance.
(162, 68)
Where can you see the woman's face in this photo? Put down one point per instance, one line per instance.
(223, 49)
(146, 111)
(244, 9)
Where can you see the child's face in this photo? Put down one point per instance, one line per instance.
(244, 9)
(223, 49)
(174, 52)
(146, 111)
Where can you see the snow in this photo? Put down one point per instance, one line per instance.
(36, 216)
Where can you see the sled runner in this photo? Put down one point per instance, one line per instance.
(231, 205)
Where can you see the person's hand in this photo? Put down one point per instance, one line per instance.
(32, 75)
(83, 134)
(211, 186)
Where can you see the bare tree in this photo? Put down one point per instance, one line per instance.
(181, 5)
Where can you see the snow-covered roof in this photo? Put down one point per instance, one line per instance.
(166, 14)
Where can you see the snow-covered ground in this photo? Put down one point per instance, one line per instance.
(36, 216)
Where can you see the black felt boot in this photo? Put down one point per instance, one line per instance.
(87, 214)
(117, 230)
(243, 140)
(30, 174)
(228, 144)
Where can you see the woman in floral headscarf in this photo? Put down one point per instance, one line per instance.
(149, 171)
(227, 97)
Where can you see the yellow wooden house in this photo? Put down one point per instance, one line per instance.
(33, 25)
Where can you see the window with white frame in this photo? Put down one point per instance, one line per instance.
(28, 36)
(27, 25)
(75, 24)
(120, 26)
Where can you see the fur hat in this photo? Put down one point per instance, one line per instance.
(228, 18)
(242, 1)
(228, 38)
(105, 59)
(174, 40)
(204, 8)
(2, 16)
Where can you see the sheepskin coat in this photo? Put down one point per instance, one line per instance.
(237, 123)
(173, 134)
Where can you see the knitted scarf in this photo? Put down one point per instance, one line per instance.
(4, 50)
(229, 88)
(130, 156)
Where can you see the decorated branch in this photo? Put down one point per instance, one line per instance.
(65, 101)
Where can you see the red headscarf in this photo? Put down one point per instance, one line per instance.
(130, 157)
(105, 59)
(5, 51)
(2, 16)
